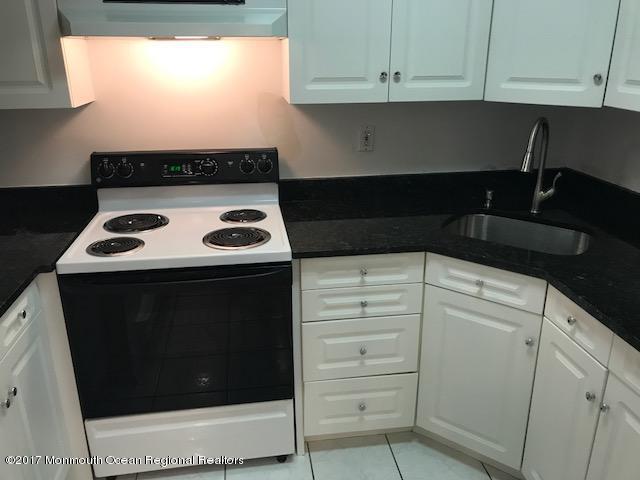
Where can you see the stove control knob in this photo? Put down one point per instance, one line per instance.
(124, 169)
(106, 169)
(265, 165)
(209, 167)
(247, 166)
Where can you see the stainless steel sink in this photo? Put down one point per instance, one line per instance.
(524, 234)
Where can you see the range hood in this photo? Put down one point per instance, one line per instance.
(173, 18)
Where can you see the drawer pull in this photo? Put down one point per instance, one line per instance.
(479, 283)
(364, 303)
(364, 272)
(571, 320)
(362, 407)
(590, 396)
(363, 350)
(23, 314)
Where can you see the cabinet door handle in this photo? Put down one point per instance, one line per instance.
(604, 408)
(6, 403)
(597, 79)
(362, 407)
(530, 342)
(383, 77)
(571, 320)
(13, 392)
(590, 396)
(397, 77)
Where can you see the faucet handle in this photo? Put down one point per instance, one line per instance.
(550, 192)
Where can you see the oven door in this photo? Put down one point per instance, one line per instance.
(179, 339)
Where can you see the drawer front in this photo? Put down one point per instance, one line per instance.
(625, 363)
(361, 271)
(500, 286)
(360, 347)
(19, 315)
(360, 302)
(585, 330)
(359, 404)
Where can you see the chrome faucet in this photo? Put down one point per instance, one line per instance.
(539, 194)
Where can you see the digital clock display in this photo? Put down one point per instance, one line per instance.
(175, 168)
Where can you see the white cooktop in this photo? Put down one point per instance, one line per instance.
(193, 212)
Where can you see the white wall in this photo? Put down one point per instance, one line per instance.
(609, 146)
(180, 95)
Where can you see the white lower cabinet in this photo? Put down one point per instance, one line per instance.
(359, 404)
(31, 421)
(617, 446)
(360, 347)
(616, 451)
(564, 410)
(476, 373)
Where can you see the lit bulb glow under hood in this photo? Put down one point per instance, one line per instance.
(253, 18)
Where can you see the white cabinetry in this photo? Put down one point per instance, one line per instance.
(39, 69)
(623, 89)
(342, 52)
(476, 373)
(439, 49)
(31, 419)
(551, 52)
(564, 409)
(615, 451)
(360, 342)
(339, 51)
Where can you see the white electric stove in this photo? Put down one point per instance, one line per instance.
(178, 306)
(145, 228)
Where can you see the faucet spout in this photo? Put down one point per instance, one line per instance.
(541, 127)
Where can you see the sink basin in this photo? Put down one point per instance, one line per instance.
(524, 234)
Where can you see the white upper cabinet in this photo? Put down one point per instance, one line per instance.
(339, 51)
(553, 52)
(476, 373)
(38, 68)
(342, 52)
(439, 49)
(623, 90)
(564, 410)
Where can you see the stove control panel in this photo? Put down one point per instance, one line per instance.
(185, 167)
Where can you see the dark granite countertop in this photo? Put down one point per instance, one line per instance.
(39, 224)
(604, 281)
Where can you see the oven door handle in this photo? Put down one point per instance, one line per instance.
(281, 276)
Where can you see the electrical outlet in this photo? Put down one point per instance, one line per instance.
(367, 138)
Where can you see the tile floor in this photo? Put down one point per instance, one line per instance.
(397, 456)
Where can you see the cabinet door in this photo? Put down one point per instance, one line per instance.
(13, 439)
(39, 70)
(339, 51)
(36, 408)
(553, 52)
(615, 452)
(623, 89)
(563, 419)
(476, 373)
(439, 49)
